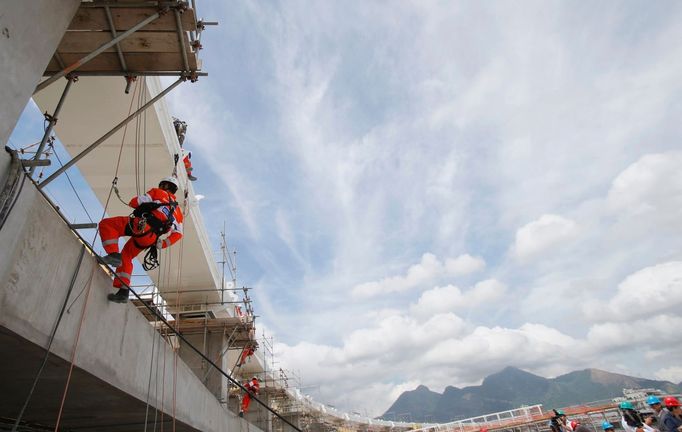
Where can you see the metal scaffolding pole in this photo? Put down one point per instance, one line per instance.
(112, 28)
(181, 39)
(52, 119)
(98, 51)
(110, 133)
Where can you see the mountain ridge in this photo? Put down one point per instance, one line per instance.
(513, 387)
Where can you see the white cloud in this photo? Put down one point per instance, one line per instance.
(429, 269)
(451, 298)
(672, 374)
(543, 234)
(652, 331)
(463, 264)
(652, 183)
(652, 290)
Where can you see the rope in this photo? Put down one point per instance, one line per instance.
(113, 186)
(73, 188)
(89, 284)
(75, 348)
(50, 340)
(149, 383)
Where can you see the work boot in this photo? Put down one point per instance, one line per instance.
(120, 297)
(241, 413)
(191, 177)
(113, 259)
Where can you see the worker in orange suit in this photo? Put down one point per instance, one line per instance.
(187, 160)
(156, 214)
(246, 353)
(252, 388)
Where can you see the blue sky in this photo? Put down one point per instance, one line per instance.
(427, 192)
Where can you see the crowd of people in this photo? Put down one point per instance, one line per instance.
(662, 416)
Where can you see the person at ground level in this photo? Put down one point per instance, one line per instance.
(252, 388)
(631, 420)
(671, 420)
(650, 420)
(558, 422)
(577, 427)
(656, 405)
(156, 214)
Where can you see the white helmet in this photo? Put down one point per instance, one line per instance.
(171, 180)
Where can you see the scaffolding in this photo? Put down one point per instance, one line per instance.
(128, 39)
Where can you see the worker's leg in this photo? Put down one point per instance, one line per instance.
(124, 271)
(246, 401)
(110, 230)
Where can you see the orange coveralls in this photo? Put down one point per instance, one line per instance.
(187, 160)
(246, 352)
(252, 386)
(111, 229)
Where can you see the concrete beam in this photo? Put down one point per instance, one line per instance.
(117, 349)
(29, 34)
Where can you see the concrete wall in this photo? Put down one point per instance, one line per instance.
(29, 34)
(37, 260)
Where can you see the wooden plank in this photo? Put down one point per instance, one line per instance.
(85, 42)
(141, 62)
(124, 18)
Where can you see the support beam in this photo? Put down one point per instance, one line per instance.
(82, 226)
(35, 163)
(187, 75)
(112, 28)
(98, 51)
(178, 23)
(52, 119)
(110, 133)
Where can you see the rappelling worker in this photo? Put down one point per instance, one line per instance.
(181, 130)
(246, 353)
(155, 223)
(252, 387)
(187, 160)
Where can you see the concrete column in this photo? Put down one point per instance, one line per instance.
(29, 34)
(213, 344)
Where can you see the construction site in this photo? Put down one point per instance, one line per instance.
(177, 356)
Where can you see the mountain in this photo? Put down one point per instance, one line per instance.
(512, 387)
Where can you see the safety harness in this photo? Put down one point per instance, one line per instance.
(146, 219)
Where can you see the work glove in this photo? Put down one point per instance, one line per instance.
(159, 244)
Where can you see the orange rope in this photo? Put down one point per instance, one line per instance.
(89, 284)
(75, 347)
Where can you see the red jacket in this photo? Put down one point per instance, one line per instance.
(162, 213)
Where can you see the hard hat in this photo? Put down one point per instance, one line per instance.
(606, 425)
(671, 401)
(255, 378)
(171, 180)
(559, 412)
(626, 405)
(574, 424)
(653, 400)
(484, 429)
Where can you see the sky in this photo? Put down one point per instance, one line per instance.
(425, 192)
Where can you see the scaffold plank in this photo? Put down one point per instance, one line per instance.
(108, 62)
(84, 42)
(93, 18)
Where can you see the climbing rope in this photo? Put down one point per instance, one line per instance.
(50, 340)
(89, 284)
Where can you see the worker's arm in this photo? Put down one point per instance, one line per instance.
(175, 232)
(140, 199)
